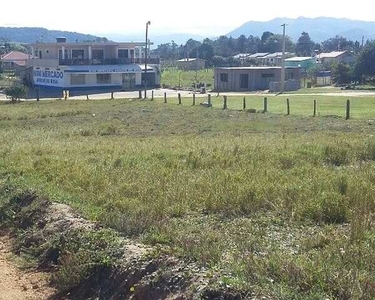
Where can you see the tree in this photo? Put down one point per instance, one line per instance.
(304, 46)
(365, 65)
(16, 92)
(241, 46)
(206, 52)
(341, 73)
(274, 44)
(338, 43)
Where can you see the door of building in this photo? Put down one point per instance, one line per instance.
(128, 81)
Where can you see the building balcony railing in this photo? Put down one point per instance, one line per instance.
(107, 61)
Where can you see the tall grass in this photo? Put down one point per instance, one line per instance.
(250, 194)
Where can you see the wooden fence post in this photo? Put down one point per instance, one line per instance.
(265, 105)
(287, 107)
(314, 108)
(225, 106)
(347, 109)
(194, 99)
(37, 94)
(165, 97)
(152, 95)
(87, 97)
(179, 98)
(244, 103)
(139, 94)
(209, 100)
(112, 97)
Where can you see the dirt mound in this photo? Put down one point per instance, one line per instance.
(90, 262)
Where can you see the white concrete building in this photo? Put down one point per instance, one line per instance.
(91, 66)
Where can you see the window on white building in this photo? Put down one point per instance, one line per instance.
(97, 54)
(103, 78)
(123, 53)
(77, 79)
(78, 54)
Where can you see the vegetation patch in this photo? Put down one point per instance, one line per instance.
(264, 205)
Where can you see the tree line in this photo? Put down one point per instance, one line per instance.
(221, 51)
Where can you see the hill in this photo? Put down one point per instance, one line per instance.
(33, 34)
(319, 29)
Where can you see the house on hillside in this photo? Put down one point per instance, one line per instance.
(244, 79)
(91, 66)
(14, 61)
(191, 64)
(338, 56)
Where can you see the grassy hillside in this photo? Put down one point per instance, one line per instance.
(277, 207)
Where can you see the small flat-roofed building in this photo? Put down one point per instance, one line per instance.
(305, 63)
(272, 59)
(191, 64)
(243, 79)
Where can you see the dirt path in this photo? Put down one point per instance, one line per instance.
(20, 285)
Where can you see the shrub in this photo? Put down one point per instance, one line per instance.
(16, 92)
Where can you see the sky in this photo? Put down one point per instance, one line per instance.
(167, 16)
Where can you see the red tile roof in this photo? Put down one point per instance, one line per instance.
(15, 56)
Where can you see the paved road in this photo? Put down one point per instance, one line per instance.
(159, 93)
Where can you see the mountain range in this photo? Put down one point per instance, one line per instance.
(319, 29)
(34, 34)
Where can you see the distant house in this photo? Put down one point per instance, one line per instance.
(241, 55)
(272, 59)
(338, 56)
(14, 61)
(258, 55)
(323, 78)
(191, 64)
(243, 79)
(305, 63)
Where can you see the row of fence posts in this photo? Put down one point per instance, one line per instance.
(225, 102)
(265, 104)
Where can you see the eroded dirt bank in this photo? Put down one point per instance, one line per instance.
(86, 261)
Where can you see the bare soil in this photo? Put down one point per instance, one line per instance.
(18, 284)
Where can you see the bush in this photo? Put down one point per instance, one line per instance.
(16, 92)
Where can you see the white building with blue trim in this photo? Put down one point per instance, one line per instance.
(91, 66)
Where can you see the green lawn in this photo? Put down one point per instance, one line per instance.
(300, 105)
(280, 206)
(186, 79)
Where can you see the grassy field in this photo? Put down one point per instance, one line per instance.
(186, 79)
(279, 206)
(300, 105)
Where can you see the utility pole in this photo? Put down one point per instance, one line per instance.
(148, 23)
(282, 77)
